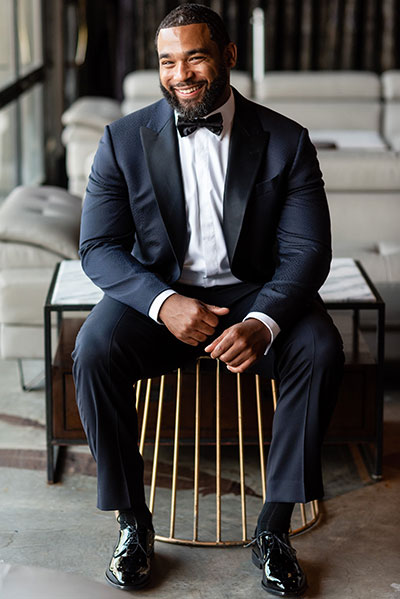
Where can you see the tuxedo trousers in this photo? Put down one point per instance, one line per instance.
(118, 345)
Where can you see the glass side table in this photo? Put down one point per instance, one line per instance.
(348, 287)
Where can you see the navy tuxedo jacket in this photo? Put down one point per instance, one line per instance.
(275, 216)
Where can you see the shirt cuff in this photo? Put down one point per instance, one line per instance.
(269, 322)
(157, 303)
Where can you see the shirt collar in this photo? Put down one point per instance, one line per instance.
(227, 110)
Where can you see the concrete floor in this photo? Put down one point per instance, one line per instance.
(353, 553)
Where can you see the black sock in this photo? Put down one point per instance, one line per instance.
(141, 516)
(275, 517)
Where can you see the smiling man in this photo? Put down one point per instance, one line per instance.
(206, 224)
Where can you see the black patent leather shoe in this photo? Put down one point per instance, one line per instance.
(129, 567)
(282, 574)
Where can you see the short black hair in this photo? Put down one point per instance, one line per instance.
(189, 14)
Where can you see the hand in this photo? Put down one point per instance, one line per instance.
(190, 320)
(241, 345)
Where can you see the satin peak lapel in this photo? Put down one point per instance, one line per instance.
(162, 156)
(248, 144)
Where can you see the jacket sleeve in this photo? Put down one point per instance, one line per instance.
(108, 235)
(303, 241)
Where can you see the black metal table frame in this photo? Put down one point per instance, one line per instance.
(374, 462)
(54, 444)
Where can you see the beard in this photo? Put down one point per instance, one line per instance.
(203, 107)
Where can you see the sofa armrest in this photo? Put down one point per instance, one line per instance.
(45, 217)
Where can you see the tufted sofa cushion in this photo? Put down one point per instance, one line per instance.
(315, 114)
(391, 85)
(327, 85)
(43, 217)
(362, 221)
(368, 171)
(80, 142)
(31, 284)
(142, 84)
(324, 99)
(22, 255)
(92, 112)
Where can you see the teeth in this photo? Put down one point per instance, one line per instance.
(189, 90)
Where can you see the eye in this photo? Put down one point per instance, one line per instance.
(197, 58)
(166, 63)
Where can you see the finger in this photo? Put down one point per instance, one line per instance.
(219, 310)
(209, 318)
(226, 351)
(200, 328)
(212, 313)
(198, 336)
(236, 360)
(242, 367)
(211, 347)
(189, 341)
(233, 355)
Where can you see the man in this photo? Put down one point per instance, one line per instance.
(206, 234)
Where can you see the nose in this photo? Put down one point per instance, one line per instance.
(183, 72)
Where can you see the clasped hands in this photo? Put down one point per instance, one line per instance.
(193, 321)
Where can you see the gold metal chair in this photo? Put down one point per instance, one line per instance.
(309, 513)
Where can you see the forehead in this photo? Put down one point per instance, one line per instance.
(175, 40)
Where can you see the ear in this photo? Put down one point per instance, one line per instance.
(230, 55)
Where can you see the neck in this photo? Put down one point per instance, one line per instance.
(224, 98)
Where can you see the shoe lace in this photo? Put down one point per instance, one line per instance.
(270, 538)
(132, 534)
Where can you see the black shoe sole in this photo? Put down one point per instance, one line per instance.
(257, 562)
(127, 587)
(283, 593)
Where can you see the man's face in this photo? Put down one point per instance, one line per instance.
(194, 75)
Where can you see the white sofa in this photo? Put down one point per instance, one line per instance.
(39, 226)
(84, 123)
(341, 107)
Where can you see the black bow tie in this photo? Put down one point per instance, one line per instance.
(213, 123)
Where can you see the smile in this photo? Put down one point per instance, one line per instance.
(188, 91)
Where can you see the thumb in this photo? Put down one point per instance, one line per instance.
(217, 309)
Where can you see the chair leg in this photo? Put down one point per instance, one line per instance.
(156, 444)
(196, 455)
(260, 438)
(176, 455)
(145, 416)
(241, 458)
(218, 451)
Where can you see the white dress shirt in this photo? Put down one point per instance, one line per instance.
(204, 161)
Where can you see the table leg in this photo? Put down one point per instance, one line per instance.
(51, 457)
(380, 356)
(356, 329)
